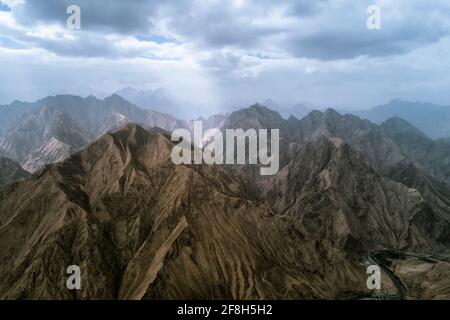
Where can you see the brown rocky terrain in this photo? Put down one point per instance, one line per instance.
(141, 227)
(424, 280)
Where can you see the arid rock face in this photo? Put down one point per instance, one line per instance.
(141, 227)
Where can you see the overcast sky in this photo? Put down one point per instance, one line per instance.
(223, 52)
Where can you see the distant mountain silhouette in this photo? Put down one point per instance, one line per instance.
(161, 100)
(299, 110)
(432, 119)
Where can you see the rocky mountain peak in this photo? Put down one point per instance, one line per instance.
(396, 124)
(255, 116)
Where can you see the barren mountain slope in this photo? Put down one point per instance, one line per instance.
(377, 154)
(141, 227)
(432, 156)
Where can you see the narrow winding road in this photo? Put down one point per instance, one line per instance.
(382, 258)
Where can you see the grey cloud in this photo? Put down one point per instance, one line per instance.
(88, 45)
(83, 45)
(324, 30)
(305, 7)
(210, 23)
(124, 17)
(218, 24)
(332, 45)
(222, 61)
(344, 35)
(240, 58)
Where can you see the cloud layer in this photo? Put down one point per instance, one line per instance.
(229, 52)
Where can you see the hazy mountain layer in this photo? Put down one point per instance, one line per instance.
(160, 100)
(58, 126)
(433, 120)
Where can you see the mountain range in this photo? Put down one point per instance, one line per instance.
(141, 227)
(431, 119)
(50, 129)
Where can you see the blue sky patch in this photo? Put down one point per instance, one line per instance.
(4, 7)
(154, 38)
(6, 42)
